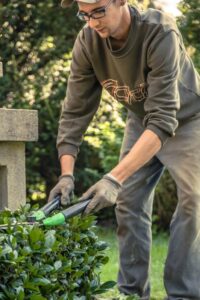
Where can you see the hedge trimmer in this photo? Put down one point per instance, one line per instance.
(41, 216)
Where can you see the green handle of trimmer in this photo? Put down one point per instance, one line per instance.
(43, 212)
(57, 219)
(70, 212)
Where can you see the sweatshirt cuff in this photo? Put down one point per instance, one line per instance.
(68, 149)
(163, 135)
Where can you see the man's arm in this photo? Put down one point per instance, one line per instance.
(65, 185)
(163, 100)
(144, 149)
(81, 101)
(105, 192)
(79, 106)
(67, 164)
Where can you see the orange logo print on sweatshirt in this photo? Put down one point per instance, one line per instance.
(122, 93)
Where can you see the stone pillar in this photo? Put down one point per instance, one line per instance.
(17, 127)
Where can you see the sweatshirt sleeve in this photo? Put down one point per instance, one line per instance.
(81, 101)
(163, 100)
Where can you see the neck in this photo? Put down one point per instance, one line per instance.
(119, 38)
(124, 26)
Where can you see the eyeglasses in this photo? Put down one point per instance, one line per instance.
(95, 14)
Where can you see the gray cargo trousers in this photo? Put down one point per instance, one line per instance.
(181, 156)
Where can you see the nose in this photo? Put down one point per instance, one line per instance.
(93, 23)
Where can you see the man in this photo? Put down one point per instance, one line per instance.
(141, 60)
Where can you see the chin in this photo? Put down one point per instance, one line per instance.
(103, 35)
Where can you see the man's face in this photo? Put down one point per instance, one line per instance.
(109, 25)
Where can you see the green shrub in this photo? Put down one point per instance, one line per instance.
(59, 263)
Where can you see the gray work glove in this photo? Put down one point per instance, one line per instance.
(64, 188)
(103, 193)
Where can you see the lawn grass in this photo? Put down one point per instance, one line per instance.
(109, 271)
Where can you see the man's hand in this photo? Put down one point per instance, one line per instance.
(104, 193)
(65, 188)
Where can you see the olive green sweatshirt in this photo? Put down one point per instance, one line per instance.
(151, 75)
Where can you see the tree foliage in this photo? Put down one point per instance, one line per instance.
(35, 47)
(189, 24)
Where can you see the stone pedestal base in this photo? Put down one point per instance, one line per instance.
(17, 127)
(12, 175)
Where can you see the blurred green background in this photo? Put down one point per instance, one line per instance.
(36, 40)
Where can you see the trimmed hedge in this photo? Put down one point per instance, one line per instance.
(38, 263)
